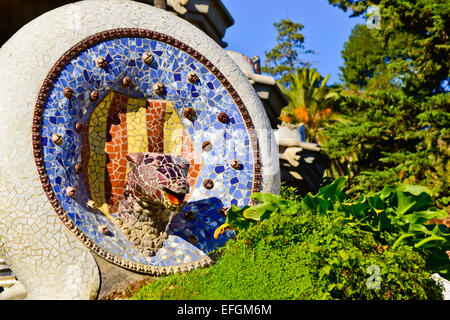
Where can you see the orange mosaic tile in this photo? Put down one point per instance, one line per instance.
(116, 149)
(155, 124)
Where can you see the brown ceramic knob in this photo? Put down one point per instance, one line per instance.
(77, 168)
(206, 146)
(224, 211)
(208, 184)
(158, 88)
(223, 117)
(189, 113)
(78, 127)
(57, 139)
(91, 204)
(118, 222)
(70, 192)
(101, 62)
(189, 215)
(103, 229)
(68, 92)
(126, 82)
(192, 239)
(94, 96)
(236, 164)
(147, 58)
(192, 77)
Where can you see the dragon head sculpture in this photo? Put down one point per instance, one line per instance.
(156, 187)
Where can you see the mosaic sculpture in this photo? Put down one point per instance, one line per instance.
(154, 193)
(119, 79)
(82, 144)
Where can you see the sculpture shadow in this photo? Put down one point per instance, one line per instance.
(197, 222)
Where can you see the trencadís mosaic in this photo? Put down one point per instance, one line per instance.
(130, 90)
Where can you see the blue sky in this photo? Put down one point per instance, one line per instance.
(326, 29)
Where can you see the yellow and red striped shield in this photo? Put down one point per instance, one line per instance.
(120, 125)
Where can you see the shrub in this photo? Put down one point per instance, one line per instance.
(401, 212)
(299, 254)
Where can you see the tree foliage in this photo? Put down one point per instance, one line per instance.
(398, 133)
(364, 57)
(286, 57)
(396, 138)
(421, 63)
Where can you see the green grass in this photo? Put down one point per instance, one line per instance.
(235, 279)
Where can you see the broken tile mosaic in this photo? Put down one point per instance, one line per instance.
(116, 117)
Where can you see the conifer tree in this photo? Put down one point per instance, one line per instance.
(286, 57)
(400, 133)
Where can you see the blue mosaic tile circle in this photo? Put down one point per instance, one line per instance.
(208, 97)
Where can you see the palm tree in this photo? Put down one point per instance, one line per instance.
(310, 102)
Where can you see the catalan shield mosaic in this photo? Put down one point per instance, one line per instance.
(125, 91)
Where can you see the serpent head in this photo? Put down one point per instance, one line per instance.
(157, 179)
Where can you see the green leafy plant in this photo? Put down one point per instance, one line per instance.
(401, 212)
(242, 218)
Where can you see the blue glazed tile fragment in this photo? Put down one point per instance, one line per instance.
(234, 180)
(220, 169)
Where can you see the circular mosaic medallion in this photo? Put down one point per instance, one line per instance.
(130, 90)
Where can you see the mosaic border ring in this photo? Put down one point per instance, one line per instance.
(73, 118)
